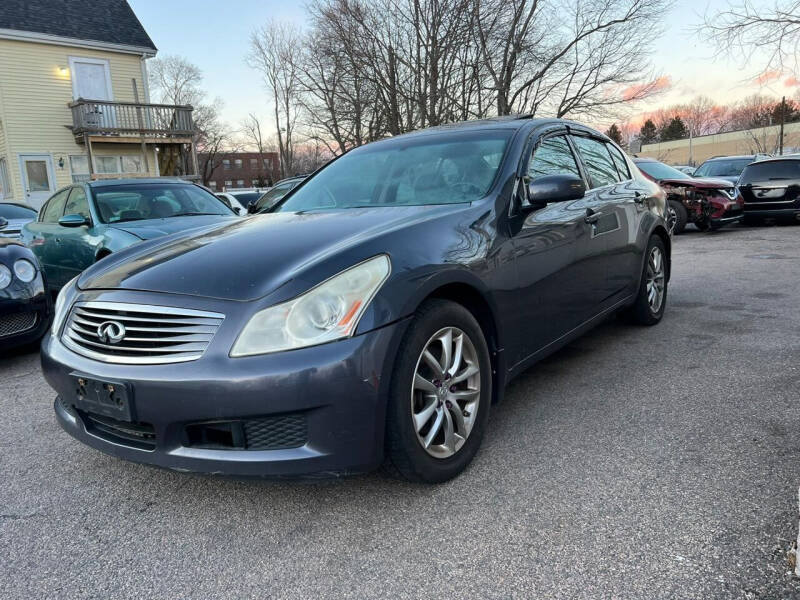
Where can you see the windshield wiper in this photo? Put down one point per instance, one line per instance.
(192, 214)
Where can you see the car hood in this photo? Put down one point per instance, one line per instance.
(249, 258)
(699, 182)
(147, 229)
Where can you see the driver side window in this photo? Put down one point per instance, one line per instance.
(77, 203)
(552, 156)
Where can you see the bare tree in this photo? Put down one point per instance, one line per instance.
(274, 51)
(771, 34)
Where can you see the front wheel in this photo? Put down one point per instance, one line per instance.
(680, 216)
(651, 300)
(440, 394)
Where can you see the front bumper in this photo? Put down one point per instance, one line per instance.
(338, 390)
(784, 211)
(29, 303)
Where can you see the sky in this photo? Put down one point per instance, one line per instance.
(214, 35)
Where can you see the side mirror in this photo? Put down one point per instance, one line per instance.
(73, 220)
(554, 188)
(3, 223)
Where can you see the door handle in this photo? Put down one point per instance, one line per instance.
(592, 216)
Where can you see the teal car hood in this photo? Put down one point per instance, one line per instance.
(147, 229)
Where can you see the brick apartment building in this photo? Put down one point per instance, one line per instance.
(243, 170)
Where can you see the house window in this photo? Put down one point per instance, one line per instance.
(255, 182)
(107, 164)
(238, 163)
(132, 164)
(226, 165)
(79, 167)
(228, 183)
(268, 164)
(5, 184)
(212, 185)
(253, 163)
(240, 183)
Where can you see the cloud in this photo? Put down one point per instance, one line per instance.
(791, 82)
(766, 77)
(637, 89)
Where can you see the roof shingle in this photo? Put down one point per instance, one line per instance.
(110, 21)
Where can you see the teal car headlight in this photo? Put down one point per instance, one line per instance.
(5, 277)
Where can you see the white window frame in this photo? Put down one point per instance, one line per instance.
(228, 183)
(72, 173)
(95, 61)
(240, 183)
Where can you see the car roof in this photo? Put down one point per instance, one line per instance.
(780, 158)
(751, 156)
(135, 180)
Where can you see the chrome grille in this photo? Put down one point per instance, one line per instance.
(16, 323)
(152, 334)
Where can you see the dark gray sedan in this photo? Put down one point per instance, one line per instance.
(386, 302)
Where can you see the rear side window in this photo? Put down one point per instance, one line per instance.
(619, 161)
(775, 170)
(77, 203)
(54, 208)
(553, 156)
(597, 160)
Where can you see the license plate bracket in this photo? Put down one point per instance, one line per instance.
(104, 397)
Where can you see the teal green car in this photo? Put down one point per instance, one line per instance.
(85, 222)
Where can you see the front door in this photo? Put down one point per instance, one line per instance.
(38, 182)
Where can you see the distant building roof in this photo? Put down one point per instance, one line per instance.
(106, 21)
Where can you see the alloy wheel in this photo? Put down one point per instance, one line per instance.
(446, 392)
(655, 279)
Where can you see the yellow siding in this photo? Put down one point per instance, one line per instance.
(34, 96)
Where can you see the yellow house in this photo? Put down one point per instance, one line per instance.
(75, 103)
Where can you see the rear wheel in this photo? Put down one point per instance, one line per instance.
(681, 216)
(648, 309)
(440, 394)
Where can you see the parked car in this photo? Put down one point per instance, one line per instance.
(727, 167)
(708, 203)
(771, 189)
(25, 306)
(383, 308)
(275, 193)
(85, 222)
(15, 215)
(688, 169)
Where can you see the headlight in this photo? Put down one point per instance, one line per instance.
(5, 277)
(328, 312)
(25, 270)
(60, 309)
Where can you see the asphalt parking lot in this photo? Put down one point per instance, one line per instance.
(636, 463)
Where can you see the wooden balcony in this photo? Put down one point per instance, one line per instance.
(121, 121)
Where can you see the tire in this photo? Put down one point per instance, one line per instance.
(410, 399)
(702, 225)
(642, 311)
(681, 216)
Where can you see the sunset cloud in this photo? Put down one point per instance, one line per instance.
(659, 85)
(767, 76)
(791, 82)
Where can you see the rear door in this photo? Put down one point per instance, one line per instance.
(613, 202)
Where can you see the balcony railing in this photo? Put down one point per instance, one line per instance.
(94, 117)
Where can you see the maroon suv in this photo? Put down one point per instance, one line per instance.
(708, 203)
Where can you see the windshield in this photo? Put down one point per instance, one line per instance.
(774, 170)
(722, 168)
(658, 170)
(246, 197)
(15, 211)
(431, 169)
(137, 202)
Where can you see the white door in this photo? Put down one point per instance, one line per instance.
(38, 182)
(91, 79)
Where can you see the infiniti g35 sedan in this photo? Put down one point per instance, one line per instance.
(386, 303)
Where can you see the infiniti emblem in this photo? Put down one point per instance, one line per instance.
(111, 332)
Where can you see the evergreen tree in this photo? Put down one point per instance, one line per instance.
(648, 133)
(675, 129)
(615, 134)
